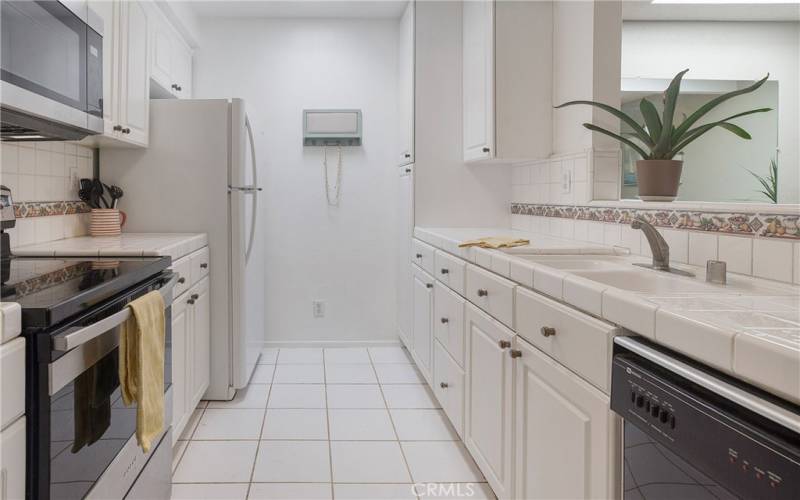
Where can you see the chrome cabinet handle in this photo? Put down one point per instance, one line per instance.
(428, 285)
(504, 344)
(482, 292)
(444, 321)
(445, 271)
(515, 353)
(548, 331)
(444, 385)
(203, 265)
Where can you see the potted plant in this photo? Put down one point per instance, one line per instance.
(660, 138)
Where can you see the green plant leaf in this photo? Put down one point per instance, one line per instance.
(737, 130)
(695, 133)
(713, 103)
(640, 132)
(670, 101)
(651, 119)
(617, 137)
(729, 118)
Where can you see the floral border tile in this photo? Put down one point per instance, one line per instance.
(740, 223)
(27, 209)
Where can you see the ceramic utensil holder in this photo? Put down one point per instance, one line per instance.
(106, 222)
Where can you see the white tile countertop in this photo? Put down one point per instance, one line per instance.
(749, 327)
(174, 245)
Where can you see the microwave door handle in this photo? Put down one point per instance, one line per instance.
(69, 340)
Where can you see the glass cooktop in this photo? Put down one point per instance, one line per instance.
(50, 290)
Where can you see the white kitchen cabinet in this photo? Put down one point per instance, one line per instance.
(423, 321)
(568, 440)
(126, 78)
(170, 60)
(12, 461)
(488, 399)
(403, 234)
(191, 343)
(507, 80)
(448, 386)
(405, 87)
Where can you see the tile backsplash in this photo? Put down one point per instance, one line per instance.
(43, 178)
(565, 196)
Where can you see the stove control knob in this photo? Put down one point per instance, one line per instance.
(663, 416)
(639, 400)
(654, 410)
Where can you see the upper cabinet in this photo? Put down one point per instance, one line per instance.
(171, 60)
(405, 87)
(507, 80)
(126, 79)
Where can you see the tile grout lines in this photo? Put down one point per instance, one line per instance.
(263, 422)
(327, 419)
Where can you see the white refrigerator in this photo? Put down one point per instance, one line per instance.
(200, 174)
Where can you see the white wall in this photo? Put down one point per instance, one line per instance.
(448, 192)
(342, 255)
(729, 51)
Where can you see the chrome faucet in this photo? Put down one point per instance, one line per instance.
(658, 247)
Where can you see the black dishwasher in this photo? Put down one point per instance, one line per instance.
(693, 433)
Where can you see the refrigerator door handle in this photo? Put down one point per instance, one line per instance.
(253, 189)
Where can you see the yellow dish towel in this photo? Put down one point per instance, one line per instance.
(495, 242)
(141, 365)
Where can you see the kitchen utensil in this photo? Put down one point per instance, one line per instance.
(115, 192)
(97, 194)
(85, 192)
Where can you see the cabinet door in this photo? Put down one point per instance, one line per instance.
(404, 233)
(478, 79)
(405, 86)
(182, 68)
(161, 69)
(568, 440)
(178, 350)
(12, 461)
(488, 423)
(109, 11)
(448, 386)
(423, 321)
(135, 97)
(201, 340)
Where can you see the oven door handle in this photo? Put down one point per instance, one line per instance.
(70, 340)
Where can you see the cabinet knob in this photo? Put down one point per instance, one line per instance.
(445, 321)
(428, 285)
(548, 331)
(117, 127)
(195, 296)
(408, 170)
(179, 88)
(504, 344)
(445, 271)
(126, 130)
(174, 86)
(515, 353)
(181, 280)
(203, 265)
(407, 155)
(419, 255)
(444, 385)
(482, 292)
(485, 150)
(190, 301)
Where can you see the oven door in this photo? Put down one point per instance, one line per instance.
(51, 68)
(82, 440)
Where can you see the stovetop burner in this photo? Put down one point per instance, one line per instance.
(50, 290)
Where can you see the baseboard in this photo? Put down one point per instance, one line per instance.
(331, 343)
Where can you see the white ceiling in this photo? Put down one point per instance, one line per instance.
(385, 9)
(711, 10)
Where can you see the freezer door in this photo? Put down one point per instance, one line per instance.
(247, 257)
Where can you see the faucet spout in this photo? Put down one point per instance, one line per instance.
(658, 245)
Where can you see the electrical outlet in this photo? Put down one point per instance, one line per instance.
(318, 307)
(566, 181)
(74, 181)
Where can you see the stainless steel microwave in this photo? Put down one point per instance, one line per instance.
(51, 68)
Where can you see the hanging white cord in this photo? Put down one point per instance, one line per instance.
(338, 185)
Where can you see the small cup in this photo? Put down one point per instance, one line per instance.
(106, 222)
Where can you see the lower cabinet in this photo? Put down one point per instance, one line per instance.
(489, 406)
(191, 344)
(567, 438)
(448, 386)
(423, 322)
(12, 460)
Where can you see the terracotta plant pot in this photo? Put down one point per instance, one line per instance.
(658, 179)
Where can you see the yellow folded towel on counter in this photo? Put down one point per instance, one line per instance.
(495, 242)
(141, 365)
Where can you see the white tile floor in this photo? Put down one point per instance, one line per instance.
(344, 423)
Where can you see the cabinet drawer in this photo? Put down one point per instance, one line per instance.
(578, 341)
(422, 255)
(200, 264)
(450, 270)
(448, 321)
(493, 294)
(448, 386)
(12, 380)
(13, 458)
(183, 267)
